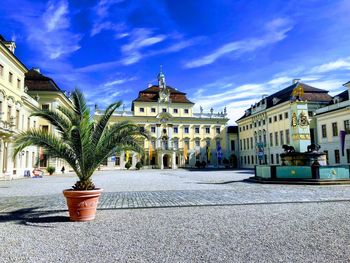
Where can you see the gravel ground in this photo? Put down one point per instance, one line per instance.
(316, 232)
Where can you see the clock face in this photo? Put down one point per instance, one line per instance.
(164, 95)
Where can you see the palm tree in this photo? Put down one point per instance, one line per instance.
(84, 143)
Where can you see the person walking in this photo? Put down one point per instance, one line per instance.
(63, 169)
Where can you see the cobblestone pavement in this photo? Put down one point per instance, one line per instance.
(165, 189)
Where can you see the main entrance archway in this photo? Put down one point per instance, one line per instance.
(166, 161)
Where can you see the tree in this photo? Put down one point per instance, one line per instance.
(82, 142)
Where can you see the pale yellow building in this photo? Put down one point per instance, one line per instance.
(331, 121)
(180, 137)
(15, 108)
(279, 119)
(49, 96)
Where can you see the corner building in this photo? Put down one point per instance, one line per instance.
(333, 125)
(285, 117)
(179, 136)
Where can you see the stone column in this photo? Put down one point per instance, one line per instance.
(170, 135)
(161, 161)
(158, 141)
(173, 160)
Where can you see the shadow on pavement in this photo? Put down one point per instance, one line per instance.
(30, 217)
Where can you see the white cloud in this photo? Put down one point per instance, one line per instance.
(340, 64)
(118, 82)
(55, 16)
(276, 31)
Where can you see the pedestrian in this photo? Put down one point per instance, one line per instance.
(62, 170)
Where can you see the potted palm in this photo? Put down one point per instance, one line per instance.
(83, 143)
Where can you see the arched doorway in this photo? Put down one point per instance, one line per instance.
(166, 161)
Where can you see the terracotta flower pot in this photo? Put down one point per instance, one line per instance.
(82, 204)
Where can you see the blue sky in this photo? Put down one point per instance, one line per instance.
(221, 52)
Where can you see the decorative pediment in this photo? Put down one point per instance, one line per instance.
(164, 117)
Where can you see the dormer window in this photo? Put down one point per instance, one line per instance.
(336, 99)
(275, 101)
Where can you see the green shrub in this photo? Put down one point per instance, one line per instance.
(138, 165)
(128, 165)
(50, 169)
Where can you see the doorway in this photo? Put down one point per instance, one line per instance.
(166, 161)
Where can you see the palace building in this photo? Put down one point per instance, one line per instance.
(50, 97)
(16, 106)
(285, 117)
(333, 128)
(180, 137)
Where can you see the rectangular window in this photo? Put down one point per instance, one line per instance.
(186, 130)
(17, 119)
(336, 156)
(176, 144)
(324, 131)
(281, 137)
(286, 115)
(232, 145)
(153, 110)
(117, 161)
(28, 123)
(10, 77)
(276, 138)
(197, 142)
(259, 123)
(45, 128)
(153, 129)
(176, 130)
(264, 139)
(176, 110)
(164, 110)
(244, 144)
(348, 155)
(186, 111)
(264, 122)
(217, 130)
(142, 109)
(335, 129)
(287, 137)
(207, 130)
(277, 158)
(347, 126)
(245, 159)
(247, 143)
(34, 124)
(45, 106)
(271, 157)
(240, 144)
(281, 117)
(196, 129)
(270, 120)
(275, 118)
(271, 139)
(9, 109)
(18, 83)
(252, 159)
(326, 152)
(250, 126)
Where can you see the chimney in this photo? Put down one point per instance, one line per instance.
(37, 70)
(9, 44)
(347, 84)
(296, 81)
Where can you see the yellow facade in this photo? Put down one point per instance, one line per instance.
(175, 130)
(267, 125)
(331, 120)
(15, 108)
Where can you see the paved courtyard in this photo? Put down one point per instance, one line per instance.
(176, 216)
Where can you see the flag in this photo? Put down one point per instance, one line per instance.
(219, 152)
(185, 151)
(208, 154)
(342, 135)
(150, 150)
